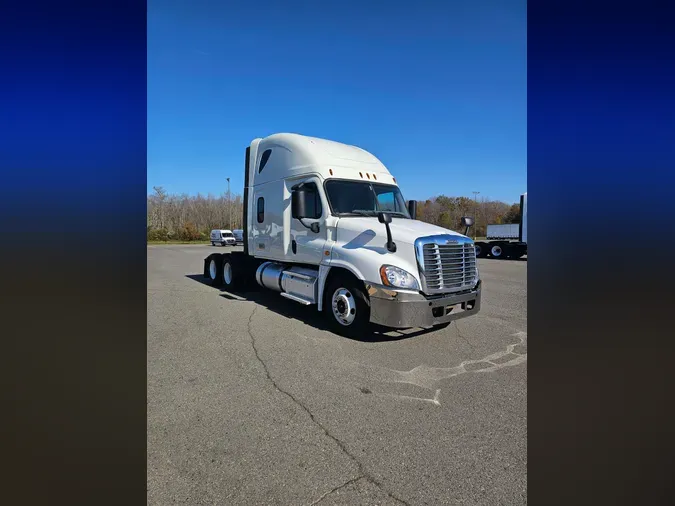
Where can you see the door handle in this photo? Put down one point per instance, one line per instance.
(294, 246)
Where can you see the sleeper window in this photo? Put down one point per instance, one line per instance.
(263, 159)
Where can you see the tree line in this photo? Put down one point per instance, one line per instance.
(191, 218)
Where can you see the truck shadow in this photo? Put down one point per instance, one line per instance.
(305, 314)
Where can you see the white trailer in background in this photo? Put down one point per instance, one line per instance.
(507, 240)
(325, 224)
(506, 232)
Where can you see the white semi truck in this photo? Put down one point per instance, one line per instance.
(325, 224)
(507, 240)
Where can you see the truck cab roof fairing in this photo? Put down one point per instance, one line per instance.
(286, 155)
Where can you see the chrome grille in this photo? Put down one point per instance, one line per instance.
(447, 263)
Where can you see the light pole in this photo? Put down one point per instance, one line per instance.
(475, 225)
(229, 203)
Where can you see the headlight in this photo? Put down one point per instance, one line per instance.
(393, 276)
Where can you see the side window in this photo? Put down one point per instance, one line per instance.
(387, 202)
(261, 209)
(313, 201)
(263, 159)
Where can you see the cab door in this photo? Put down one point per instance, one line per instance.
(308, 246)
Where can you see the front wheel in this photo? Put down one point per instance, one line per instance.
(348, 307)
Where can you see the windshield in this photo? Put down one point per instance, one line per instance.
(227, 234)
(356, 198)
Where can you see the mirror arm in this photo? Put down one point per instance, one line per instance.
(391, 245)
(314, 226)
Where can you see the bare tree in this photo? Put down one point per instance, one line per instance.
(192, 217)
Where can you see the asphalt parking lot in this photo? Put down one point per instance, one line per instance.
(252, 401)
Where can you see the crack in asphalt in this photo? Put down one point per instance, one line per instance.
(362, 472)
(462, 337)
(349, 482)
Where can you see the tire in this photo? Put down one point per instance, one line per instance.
(346, 296)
(213, 243)
(498, 251)
(482, 249)
(232, 273)
(214, 270)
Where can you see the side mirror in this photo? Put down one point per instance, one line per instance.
(299, 209)
(383, 217)
(412, 209)
(467, 221)
(299, 204)
(386, 219)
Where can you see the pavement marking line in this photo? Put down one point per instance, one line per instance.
(426, 377)
(433, 401)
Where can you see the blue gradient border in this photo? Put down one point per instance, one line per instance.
(600, 170)
(73, 163)
(601, 154)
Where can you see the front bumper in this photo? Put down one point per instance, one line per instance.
(406, 309)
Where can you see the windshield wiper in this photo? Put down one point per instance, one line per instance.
(371, 213)
(358, 212)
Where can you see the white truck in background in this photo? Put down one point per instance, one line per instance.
(326, 225)
(222, 237)
(507, 240)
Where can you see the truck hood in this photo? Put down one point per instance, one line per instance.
(360, 245)
(362, 231)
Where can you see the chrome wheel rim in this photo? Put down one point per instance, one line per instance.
(496, 251)
(212, 269)
(344, 306)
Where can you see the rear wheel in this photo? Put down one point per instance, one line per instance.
(232, 275)
(482, 249)
(498, 251)
(215, 270)
(348, 307)
(213, 243)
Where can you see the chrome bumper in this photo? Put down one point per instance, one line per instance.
(406, 309)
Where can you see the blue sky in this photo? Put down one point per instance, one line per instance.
(436, 90)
